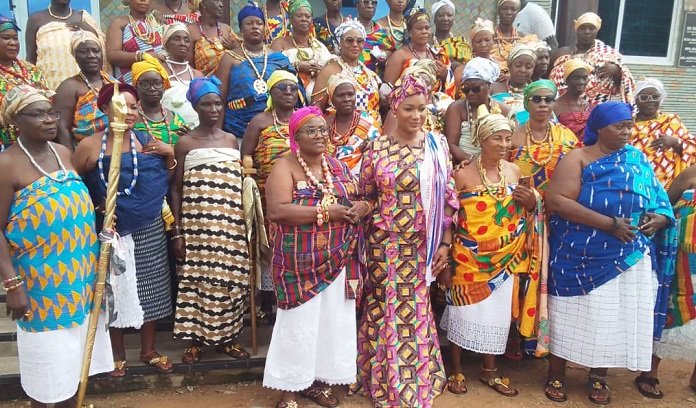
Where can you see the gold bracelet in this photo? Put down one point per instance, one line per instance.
(173, 166)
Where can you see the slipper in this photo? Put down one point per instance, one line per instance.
(321, 396)
(642, 381)
(160, 362)
(499, 384)
(456, 385)
(120, 369)
(192, 355)
(597, 385)
(235, 351)
(560, 388)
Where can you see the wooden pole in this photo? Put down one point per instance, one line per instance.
(119, 127)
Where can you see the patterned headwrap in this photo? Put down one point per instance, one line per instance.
(532, 88)
(422, 68)
(517, 2)
(655, 83)
(339, 79)
(170, 29)
(519, 50)
(482, 25)
(295, 5)
(573, 65)
(19, 98)
(298, 119)
(416, 14)
(150, 64)
(250, 10)
(440, 4)
(350, 24)
(80, 37)
(487, 124)
(588, 18)
(107, 92)
(481, 68)
(200, 87)
(603, 115)
(8, 24)
(277, 76)
(410, 86)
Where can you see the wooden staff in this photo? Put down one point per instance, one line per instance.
(119, 128)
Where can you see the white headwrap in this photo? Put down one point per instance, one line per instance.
(481, 68)
(440, 4)
(350, 24)
(652, 83)
(170, 29)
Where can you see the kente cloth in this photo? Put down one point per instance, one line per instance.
(53, 246)
(50, 362)
(367, 91)
(378, 43)
(88, 119)
(541, 158)
(273, 144)
(242, 101)
(503, 45)
(317, 53)
(448, 87)
(666, 162)
(349, 147)
(515, 101)
(534, 19)
(315, 341)
(154, 286)
(620, 184)
(325, 32)
(206, 57)
(682, 304)
(598, 89)
(214, 278)
(306, 259)
(181, 18)
(53, 55)
(134, 43)
(456, 49)
(255, 230)
(277, 26)
(20, 73)
(576, 122)
(163, 131)
(174, 100)
(146, 197)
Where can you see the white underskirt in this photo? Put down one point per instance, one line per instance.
(678, 343)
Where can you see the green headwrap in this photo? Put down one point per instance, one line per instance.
(298, 4)
(531, 89)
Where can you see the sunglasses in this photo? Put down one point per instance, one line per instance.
(539, 98)
(474, 89)
(354, 40)
(649, 98)
(291, 88)
(369, 2)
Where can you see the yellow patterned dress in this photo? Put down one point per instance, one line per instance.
(274, 143)
(456, 48)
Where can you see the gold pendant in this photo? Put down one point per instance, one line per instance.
(260, 86)
(328, 200)
(218, 46)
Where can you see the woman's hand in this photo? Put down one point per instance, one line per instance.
(610, 70)
(159, 56)
(444, 278)
(525, 196)
(308, 67)
(179, 248)
(359, 210)
(666, 142)
(17, 303)
(340, 213)
(655, 223)
(623, 230)
(440, 260)
(159, 148)
(229, 42)
(441, 71)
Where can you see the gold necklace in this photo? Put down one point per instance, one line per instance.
(531, 142)
(496, 190)
(259, 84)
(303, 53)
(391, 27)
(50, 13)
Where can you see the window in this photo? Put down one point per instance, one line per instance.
(640, 29)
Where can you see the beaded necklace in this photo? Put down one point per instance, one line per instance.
(134, 153)
(149, 33)
(402, 25)
(187, 69)
(50, 13)
(92, 89)
(531, 142)
(325, 186)
(259, 84)
(18, 71)
(61, 166)
(216, 41)
(148, 121)
(277, 124)
(339, 139)
(496, 190)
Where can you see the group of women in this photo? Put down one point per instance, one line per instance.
(392, 160)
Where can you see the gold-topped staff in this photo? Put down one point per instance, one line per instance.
(119, 127)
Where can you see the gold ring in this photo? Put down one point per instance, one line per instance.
(27, 313)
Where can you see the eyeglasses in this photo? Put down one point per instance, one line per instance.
(43, 116)
(539, 98)
(649, 98)
(369, 2)
(474, 89)
(291, 88)
(314, 133)
(151, 84)
(354, 40)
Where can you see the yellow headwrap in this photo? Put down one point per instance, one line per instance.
(81, 37)
(520, 49)
(487, 124)
(338, 79)
(170, 29)
(277, 76)
(19, 98)
(482, 25)
(573, 65)
(150, 64)
(588, 18)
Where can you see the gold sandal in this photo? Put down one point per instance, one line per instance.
(159, 362)
(235, 351)
(119, 366)
(499, 384)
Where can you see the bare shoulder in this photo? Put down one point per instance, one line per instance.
(119, 21)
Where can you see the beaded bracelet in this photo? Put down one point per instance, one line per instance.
(320, 216)
(10, 280)
(14, 287)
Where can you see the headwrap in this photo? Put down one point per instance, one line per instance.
(80, 37)
(200, 87)
(277, 76)
(350, 24)
(422, 67)
(250, 10)
(540, 45)
(194, 5)
(440, 4)
(19, 98)
(652, 83)
(588, 18)
(519, 50)
(517, 2)
(107, 92)
(532, 88)
(170, 29)
(339, 79)
(150, 64)
(481, 68)
(573, 65)
(410, 86)
(603, 115)
(298, 119)
(416, 14)
(482, 25)
(8, 24)
(295, 5)
(487, 124)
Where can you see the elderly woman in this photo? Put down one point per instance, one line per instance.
(350, 130)
(407, 176)
(325, 26)
(606, 204)
(489, 256)
(142, 289)
(14, 72)
(663, 138)
(177, 44)
(210, 238)
(610, 77)
(571, 108)
(521, 62)
(543, 57)
(313, 199)
(306, 53)
(51, 314)
(352, 39)
(506, 35)
(457, 48)
(210, 37)
(76, 97)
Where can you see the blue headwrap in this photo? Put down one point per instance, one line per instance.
(603, 115)
(7, 23)
(202, 86)
(250, 10)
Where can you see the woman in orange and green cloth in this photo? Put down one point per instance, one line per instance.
(210, 37)
(457, 48)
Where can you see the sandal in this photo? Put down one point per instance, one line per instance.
(235, 351)
(287, 404)
(456, 385)
(501, 385)
(556, 391)
(598, 388)
(642, 381)
(321, 396)
(192, 355)
(160, 362)
(265, 318)
(120, 369)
